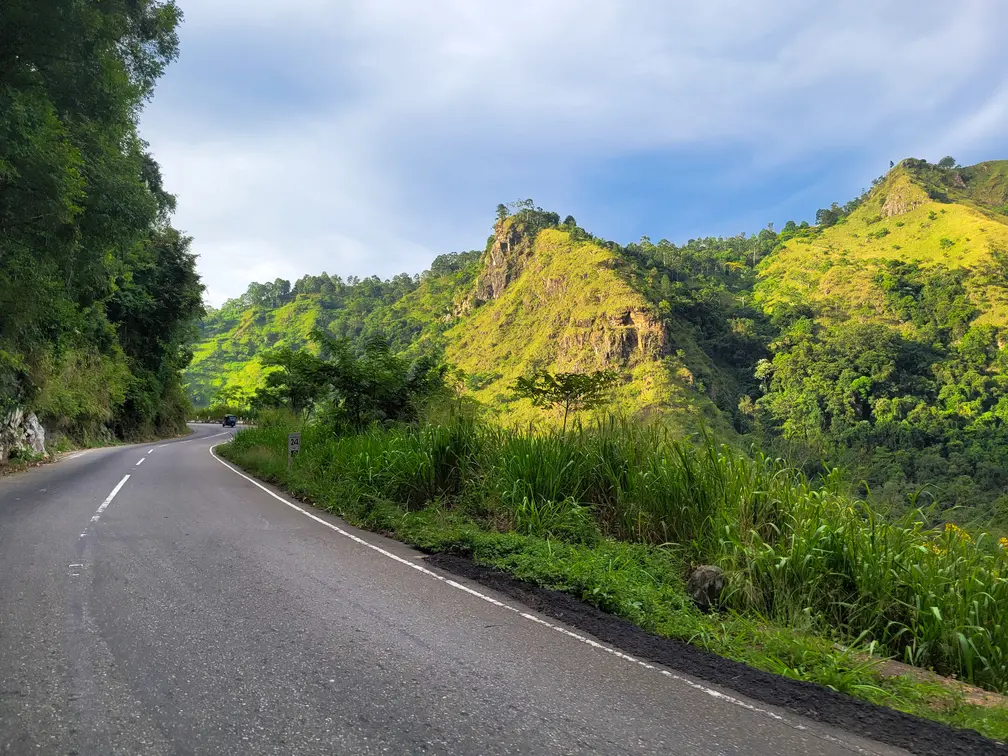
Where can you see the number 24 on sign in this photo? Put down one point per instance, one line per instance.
(293, 446)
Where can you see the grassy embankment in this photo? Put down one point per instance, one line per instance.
(820, 587)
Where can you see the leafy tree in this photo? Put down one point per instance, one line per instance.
(453, 262)
(346, 386)
(298, 383)
(827, 217)
(947, 162)
(571, 391)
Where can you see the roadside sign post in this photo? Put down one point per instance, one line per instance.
(293, 447)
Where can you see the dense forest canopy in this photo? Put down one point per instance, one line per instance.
(97, 291)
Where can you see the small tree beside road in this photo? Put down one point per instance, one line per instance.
(571, 391)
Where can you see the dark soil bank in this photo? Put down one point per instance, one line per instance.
(917, 735)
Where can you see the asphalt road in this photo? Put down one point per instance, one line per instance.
(196, 612)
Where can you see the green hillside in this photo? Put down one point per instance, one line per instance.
(874, 340)
(539, 297)
(567, 306)
(908, 217)
(232, 339)
(889, 356)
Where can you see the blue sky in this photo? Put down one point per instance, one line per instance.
(367, 137)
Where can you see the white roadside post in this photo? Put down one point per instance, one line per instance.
(293, 447)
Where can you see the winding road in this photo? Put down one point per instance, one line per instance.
(154, 600)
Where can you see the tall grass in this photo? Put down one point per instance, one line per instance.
(795, 553)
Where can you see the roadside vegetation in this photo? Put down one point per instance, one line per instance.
(98, 293)
(819, 586)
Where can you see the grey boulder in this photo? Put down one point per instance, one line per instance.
(705, 585)
(34, 434)
(19, 433)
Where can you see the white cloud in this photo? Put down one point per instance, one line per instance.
(367, 137)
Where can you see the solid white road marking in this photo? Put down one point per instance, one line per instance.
(105, 503)
(531, 617)
(141, 461)
(151, 450)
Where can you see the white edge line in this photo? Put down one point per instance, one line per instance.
(531, 617)
(104, 504)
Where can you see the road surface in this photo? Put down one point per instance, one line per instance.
(196, 612)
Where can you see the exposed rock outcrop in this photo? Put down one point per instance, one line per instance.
(624, 338)
(20, 433)
(903, 196)
(505, 260)
(705, 586)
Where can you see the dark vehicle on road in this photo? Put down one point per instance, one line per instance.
(229, 421)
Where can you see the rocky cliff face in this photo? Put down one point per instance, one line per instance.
(624, 338)
(605, 332)
(505, 260)
(20, 433)
(902, 197)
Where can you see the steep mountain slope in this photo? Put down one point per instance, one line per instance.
(412, 312)
(546, 301)
(232, 339)
(915, 215)
(536, 299)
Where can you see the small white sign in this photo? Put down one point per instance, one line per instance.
(294, 443)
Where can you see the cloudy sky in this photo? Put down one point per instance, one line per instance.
(367, 136)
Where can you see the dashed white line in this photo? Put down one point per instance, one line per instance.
(525, 615)
(105, 503)
(141, 461)
(151, 450)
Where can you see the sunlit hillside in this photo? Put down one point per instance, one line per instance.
(954, 219)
